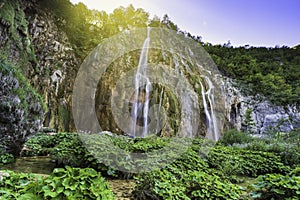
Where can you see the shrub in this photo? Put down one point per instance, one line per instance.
(277, 186)
(257, 145)
(69, 150)
(164, 184)
(76, 183)
(43, 139)
(12, 185)
(205, 186)
(6, 158)
(288, 151)
(69, 183)
(235, 137)
(186, 178)
(233, 161)
(38, 145)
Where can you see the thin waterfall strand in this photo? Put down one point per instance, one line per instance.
(140, 102)
(158, 113)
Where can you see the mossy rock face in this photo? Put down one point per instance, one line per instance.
(21, 108)
(30, 38)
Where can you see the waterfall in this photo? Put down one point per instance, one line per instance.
(210, 96)
(158, 113)
(212, 125)
(143, 89)
(142, 86)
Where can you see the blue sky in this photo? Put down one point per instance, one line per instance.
(254, 22)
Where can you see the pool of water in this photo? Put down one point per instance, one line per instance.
(37, 165)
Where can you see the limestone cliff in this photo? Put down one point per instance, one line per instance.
(31, 41)
(255, 114)
(30, 37)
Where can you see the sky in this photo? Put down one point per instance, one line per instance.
(243, 22)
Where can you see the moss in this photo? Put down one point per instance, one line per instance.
(7, 13)
(174, 114)
(24, 88)
(12, 14)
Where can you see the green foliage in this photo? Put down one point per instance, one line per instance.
(12, 14)
(270, 72)
(190, 185)
(87, 28)
(277, 186)
(233, 136)
(248, 123)
(40, 144)
(140, 145)
(12, 185)
(6, 158)
(159, 184)
(25, 90)
(211, 187)
(62, 184)
(76, 183)
(284, 145)
(232, 161)
(186, 178)
(69, 150)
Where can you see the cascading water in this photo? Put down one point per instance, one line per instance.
(143, 87)
(140, 104)
(212, 125)
(213, 132)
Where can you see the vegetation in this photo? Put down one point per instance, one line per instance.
(234, 136)
(6, 158)
(204, 171)
(24, 89)
(13, 17)
(19, 102)
(270, 72)
(187, 178)
(245, 162)
(277, 186)
(284, 145)
(69, 183)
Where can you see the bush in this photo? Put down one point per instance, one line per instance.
(69, 150)
(43, 139)
(38, 145)
(76, 183)
(12, 185)
(288, 151)
(165, 184)
(205, 186)
(6, 158)
(235, 137)
(186, 178)
(69, 183)
(277, 186)
(233, 161)
(257, 145)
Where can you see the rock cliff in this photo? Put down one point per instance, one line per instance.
(31, 40)
(255, 114)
